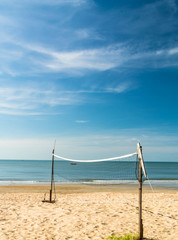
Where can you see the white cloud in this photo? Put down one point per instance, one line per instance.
(125, 86)
(23, 113)
(82, 147)
(62, 2)
(155, 147)
(82, 33)
(39, 101)
(88, 34)
(45, 2)
(94, 59)
(99, 59)
(32, 149)
(33, 96)
(159, 52)
(6, 21)
(28, 101)
(173, 51)
(36, 57)
(81, 121)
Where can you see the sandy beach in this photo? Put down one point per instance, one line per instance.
(83, 212)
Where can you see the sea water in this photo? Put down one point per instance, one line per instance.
(17, 172)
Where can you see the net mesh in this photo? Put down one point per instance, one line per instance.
(96, 171)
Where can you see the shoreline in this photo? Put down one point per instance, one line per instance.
(84, 188)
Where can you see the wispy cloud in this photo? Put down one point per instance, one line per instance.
(173, 51)
(97, 59)
(81, 121)
(39, 101)
(88, 33)
(100, 59)
(46, 2)
(60, 2)
(32, 96)
(120, 88)
(26, 101)
(24, 113)
(63, 54)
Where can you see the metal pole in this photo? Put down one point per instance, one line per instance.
(140, 199)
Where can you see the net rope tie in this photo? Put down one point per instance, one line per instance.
(97, 160)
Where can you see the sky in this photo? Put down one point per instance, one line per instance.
(96, 76)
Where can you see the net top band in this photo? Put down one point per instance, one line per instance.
(97, 160)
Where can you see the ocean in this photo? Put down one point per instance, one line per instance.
(17, 172)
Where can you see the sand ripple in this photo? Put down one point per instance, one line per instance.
(86, 216)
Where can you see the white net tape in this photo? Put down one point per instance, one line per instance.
(97, 160)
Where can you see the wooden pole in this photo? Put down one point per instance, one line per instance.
(140, 198)
(52, 177)
(52, 180)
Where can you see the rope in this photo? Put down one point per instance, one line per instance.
(97, 160)
(154, 195)
(151, 186)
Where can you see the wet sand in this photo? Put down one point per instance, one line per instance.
(83, 188)
(84, 212)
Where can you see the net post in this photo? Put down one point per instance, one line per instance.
(140, 192)
(52, 177)
(52, 180)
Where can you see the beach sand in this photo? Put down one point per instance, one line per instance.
(83, 212)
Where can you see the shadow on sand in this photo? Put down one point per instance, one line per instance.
(149, 239)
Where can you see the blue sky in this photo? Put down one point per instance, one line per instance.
(97, 76)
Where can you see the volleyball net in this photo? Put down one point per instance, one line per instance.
(107, 170)
(126, 167)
